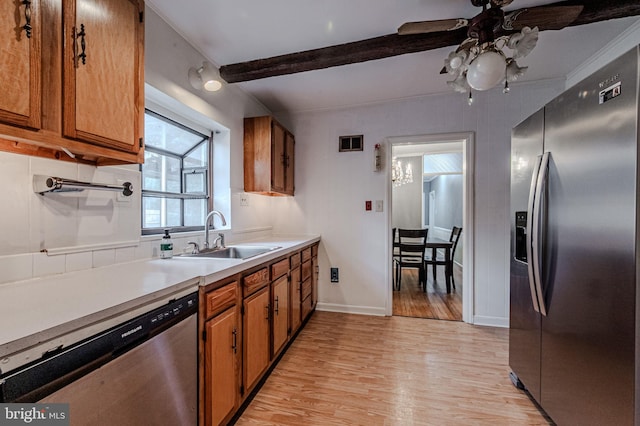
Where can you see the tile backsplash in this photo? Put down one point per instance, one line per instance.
(81, 230)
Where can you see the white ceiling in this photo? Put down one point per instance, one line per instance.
(227, 32)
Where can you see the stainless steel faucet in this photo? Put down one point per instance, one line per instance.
(206, 226)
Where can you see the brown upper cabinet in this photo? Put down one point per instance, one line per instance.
(77, 80)
(269, 159)
(20, 69)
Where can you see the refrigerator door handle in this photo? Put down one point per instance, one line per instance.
(529, 233)
(535, 238)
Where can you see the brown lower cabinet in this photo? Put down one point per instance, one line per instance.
(222, 366)
(256, 337)
(296, 298)
(280, 312)
(247, 320)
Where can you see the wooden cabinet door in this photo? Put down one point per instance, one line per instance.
(314, 281)
(280, 289)
(278, 157)
(103, 91)
(20, 52)
(221, 366)
(295, 300)
(289, 163)
(256, 337)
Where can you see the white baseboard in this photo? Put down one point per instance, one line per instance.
(491, 321)
(350, 309)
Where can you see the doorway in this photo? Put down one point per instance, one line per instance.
(411, 300)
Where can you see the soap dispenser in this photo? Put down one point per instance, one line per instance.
(166, 246)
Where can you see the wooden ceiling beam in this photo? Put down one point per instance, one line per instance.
(342, 54)
(394, 45)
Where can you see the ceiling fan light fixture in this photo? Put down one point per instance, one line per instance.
(205, 78)
(486, 70)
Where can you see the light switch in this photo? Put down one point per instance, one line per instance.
(367, 205)
(379, 205)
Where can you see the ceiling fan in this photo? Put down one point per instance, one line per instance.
(480, 62)
(414, 37)
(493, 21)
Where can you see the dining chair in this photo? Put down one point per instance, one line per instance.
(411, 251)
(441, 260)
(395, 247)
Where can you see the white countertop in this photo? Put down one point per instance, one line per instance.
(41, 314)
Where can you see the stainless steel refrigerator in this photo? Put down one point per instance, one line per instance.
(573, 337)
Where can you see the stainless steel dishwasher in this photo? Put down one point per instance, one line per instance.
(141, 372)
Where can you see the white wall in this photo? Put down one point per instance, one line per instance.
(332, 189)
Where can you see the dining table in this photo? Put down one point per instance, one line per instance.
(434, 244)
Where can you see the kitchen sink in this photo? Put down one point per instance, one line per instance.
(232, 252)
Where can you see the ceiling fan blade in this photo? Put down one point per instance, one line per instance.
(424, 27)
(543, 17)
(501, 3)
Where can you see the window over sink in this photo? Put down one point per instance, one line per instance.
(187, 167)
(175, 175)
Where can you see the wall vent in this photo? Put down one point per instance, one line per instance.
(351, 143)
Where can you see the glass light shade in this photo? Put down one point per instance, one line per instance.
(206, 77)
(212, 85)
(487, 70)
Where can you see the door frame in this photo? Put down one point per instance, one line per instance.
(468, 206)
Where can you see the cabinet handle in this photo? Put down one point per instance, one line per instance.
(283, 160)
(268, 308)
(27, 16)
(276, 305)
(82, 56)
(234, 345)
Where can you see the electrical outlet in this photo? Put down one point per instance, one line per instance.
(334, 275)
(244, 200)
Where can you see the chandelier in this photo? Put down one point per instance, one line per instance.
(481, 64)
(398, 175)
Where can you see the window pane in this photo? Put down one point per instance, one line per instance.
(194, 183)
(173, 212)
(151, 171)
(197, 158)
(169, 136)
(172, 174)
(151, 212)
(160, 212)
(161, 172)
(194, 212)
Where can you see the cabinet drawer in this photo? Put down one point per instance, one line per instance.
(221, 299)
(306, 254)
(306, 289)
(255, 281)
(279, 268)
(306, 270)
(295, 260)
(306, 307)
(314, 250)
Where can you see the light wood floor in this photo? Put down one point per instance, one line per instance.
(362, 370)
(411, 301)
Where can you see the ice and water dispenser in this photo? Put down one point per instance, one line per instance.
(521, 236)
